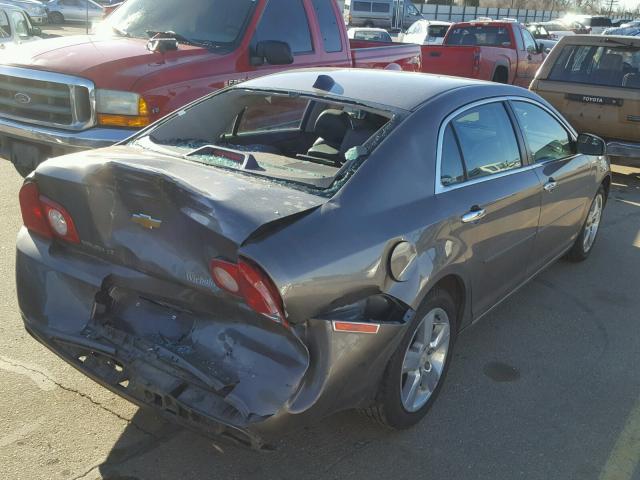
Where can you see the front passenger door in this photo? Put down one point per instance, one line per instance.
(567, 180)
(492, 199)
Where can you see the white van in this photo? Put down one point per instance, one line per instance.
(389, 14)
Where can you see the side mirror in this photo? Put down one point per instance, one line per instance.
(589, 144)
(539, 48)
(36, 31)
(272, 52)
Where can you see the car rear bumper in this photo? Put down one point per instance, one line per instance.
(619, 148)
(228, 378)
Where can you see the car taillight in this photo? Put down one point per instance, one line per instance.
(44, 216)
(248, 281)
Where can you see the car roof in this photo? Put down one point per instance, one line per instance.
(394, 89)
(598, 40)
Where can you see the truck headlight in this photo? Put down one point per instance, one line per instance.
(121, 109)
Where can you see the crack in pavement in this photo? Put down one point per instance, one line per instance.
(44, 375)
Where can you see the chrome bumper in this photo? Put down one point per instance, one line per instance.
(623, 149)
(63, 140)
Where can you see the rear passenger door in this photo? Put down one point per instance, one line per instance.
(492, 197)
(567, 180)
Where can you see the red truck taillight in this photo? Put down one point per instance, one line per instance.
(250, 282)
(44, 216)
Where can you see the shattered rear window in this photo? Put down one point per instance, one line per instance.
(305, 142)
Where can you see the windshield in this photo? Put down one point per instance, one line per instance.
(305, 142)
(208, 22)
(437, 31)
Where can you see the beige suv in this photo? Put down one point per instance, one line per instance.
(594, 81)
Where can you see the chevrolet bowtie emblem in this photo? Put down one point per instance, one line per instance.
(145, 221)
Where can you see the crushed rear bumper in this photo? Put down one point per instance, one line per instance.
(223, 373)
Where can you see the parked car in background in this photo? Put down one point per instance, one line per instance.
(594, 24)
(16, 27)
(151, 58)
(627, 29)
(36, 10)
(542, 36)
(181, 260)
(370, 34)
(61, 11)
(386, 14)
(557, 30)
(594, 81)
(426, 32)
(501, 51)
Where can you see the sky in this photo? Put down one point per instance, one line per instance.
(630, 4)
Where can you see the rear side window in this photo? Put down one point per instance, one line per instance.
(480, 35)
(611, 66)
(361, 6)
(331, 36)
(292, 28)
(546, 137)
(451, 167)
(600, 22)
(380, 7)
(487, 141)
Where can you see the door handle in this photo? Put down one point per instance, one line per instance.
(551, 185)
(473, 215)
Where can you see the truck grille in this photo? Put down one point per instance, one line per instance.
(45, 98)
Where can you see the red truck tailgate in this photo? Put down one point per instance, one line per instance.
(459, 61)
(368, 54)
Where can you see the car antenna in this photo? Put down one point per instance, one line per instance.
(324, 82)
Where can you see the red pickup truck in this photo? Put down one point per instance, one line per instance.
(149, 58)
(501, 51)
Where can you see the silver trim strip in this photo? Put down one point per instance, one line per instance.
(73, 83)
(439, 188)
(64, 139)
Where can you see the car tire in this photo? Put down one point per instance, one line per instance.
(583, 245)
(393, 407)
(56, 18)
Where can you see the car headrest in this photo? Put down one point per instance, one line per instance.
(610, 61)
(332, 125)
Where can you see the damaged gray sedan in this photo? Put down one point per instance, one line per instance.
(299, 244)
